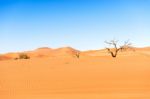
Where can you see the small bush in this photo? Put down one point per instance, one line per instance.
(15, 58)
(23, 56)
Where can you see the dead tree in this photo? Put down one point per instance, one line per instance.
(114, 51)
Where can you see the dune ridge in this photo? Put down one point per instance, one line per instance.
(70, 52)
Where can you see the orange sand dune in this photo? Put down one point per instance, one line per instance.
(95, 75)
(43, 52)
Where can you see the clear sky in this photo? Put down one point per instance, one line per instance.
(82, 24)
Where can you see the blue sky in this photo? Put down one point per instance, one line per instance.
(82, 24)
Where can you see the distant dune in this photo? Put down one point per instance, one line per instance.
(43, 52)
(70, 52)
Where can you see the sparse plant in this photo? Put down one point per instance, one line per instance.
(114, 51)
(15, 58)
(23, 56)
(77, 54)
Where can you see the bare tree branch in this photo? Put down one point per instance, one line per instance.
(114, 43)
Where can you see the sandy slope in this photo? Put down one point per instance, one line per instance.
(90, 77)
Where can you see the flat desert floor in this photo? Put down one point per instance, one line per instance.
(90, 77)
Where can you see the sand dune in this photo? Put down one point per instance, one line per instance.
(43, 52)
(96, 75)
(3, 57)
(70, 52)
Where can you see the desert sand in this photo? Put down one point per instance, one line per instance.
(58, 74)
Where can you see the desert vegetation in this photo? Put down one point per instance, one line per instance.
(23, 56)
(77, 54)
(116, 48)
